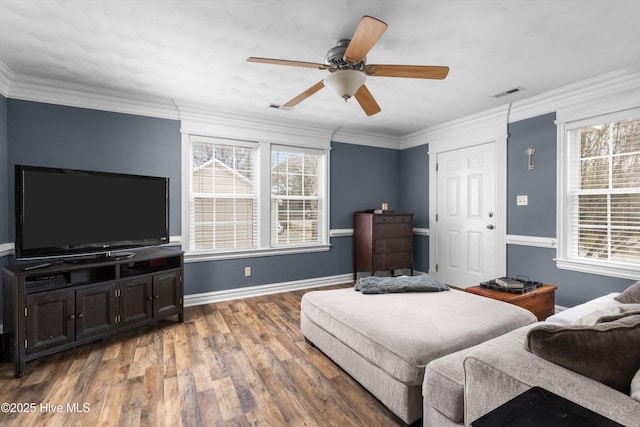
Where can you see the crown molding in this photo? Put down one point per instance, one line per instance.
(75, 95)
(378, 139)
(486, 126)
(619, 83)
(200, 120)
(6, 76)
(414, 139)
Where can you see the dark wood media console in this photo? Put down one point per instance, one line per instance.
(64, 305)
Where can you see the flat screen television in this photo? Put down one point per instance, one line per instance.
(68, 212)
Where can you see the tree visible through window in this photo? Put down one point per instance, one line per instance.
(295, 200)
(605, 192)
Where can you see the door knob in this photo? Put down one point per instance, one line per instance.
(490, 227)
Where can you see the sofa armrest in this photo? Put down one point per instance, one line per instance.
(501, 369)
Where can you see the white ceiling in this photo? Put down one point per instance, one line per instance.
(194, 52)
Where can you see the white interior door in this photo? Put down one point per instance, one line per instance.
(466, 239)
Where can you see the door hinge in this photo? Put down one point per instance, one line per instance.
(436, 167)
(436, 217)
(436, 268)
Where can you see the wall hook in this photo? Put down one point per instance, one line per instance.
(529, 152)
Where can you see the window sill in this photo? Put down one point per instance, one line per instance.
(612, 269)
(216, 256)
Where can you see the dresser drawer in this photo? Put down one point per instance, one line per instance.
(387, 218)
(392, 260)
(395, 229)
(402, 244)
(403, 218)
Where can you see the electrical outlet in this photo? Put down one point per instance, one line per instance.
(247, 272)
(522, 200)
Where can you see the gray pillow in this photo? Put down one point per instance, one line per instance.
(631, 295)
(609, 314)
(606, 352)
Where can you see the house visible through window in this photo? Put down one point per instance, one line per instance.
(603, 194)
(224, 198)
(254, 197)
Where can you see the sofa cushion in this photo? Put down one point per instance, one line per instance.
(630, 295)
(443, 386)
(609, 314)
(571, 315)
(606, 352)
(635, 387)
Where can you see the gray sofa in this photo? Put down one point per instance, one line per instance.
(385, 341)
(461, 387)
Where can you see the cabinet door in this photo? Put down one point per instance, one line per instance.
(135, 300)
(50, 320)
(166, 294)
(95, 310)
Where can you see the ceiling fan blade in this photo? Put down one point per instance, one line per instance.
(410, 71)
(304, 95)
(367, 34)
(366, 101)
(287, 62)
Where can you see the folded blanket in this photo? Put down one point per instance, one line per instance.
(385, 285)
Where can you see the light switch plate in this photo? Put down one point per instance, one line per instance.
(522, 200)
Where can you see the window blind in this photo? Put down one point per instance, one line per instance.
(604, 191)
(296, 207)
(224, 201)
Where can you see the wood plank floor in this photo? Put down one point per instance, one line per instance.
(233, 363)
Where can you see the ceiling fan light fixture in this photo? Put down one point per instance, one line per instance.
(345, 82)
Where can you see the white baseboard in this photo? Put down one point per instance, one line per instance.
(254, 291)
(6, 249)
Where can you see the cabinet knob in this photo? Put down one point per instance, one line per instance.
(80, 315)
(150, 297)
(73, 316)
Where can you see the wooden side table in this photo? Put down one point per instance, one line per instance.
(540, 301)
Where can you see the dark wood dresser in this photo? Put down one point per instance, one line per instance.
(382, 241)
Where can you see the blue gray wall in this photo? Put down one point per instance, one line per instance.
(362, 177)
(539, 217)
(41, 134)
(4, 186)
(58, 136)
(4, 174)
(414, 197)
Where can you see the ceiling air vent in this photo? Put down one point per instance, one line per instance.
(507, 92)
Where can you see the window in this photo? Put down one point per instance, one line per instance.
(295, 200)
(224, 205)
(253, 198)
(602, 196)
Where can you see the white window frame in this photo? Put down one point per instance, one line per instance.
(568, 157)
(264, 247)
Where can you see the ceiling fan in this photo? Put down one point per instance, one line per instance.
(348, 69)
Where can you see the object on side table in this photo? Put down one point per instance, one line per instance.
(518, 285)
(540, 407)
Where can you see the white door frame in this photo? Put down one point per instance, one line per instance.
(490, 126)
